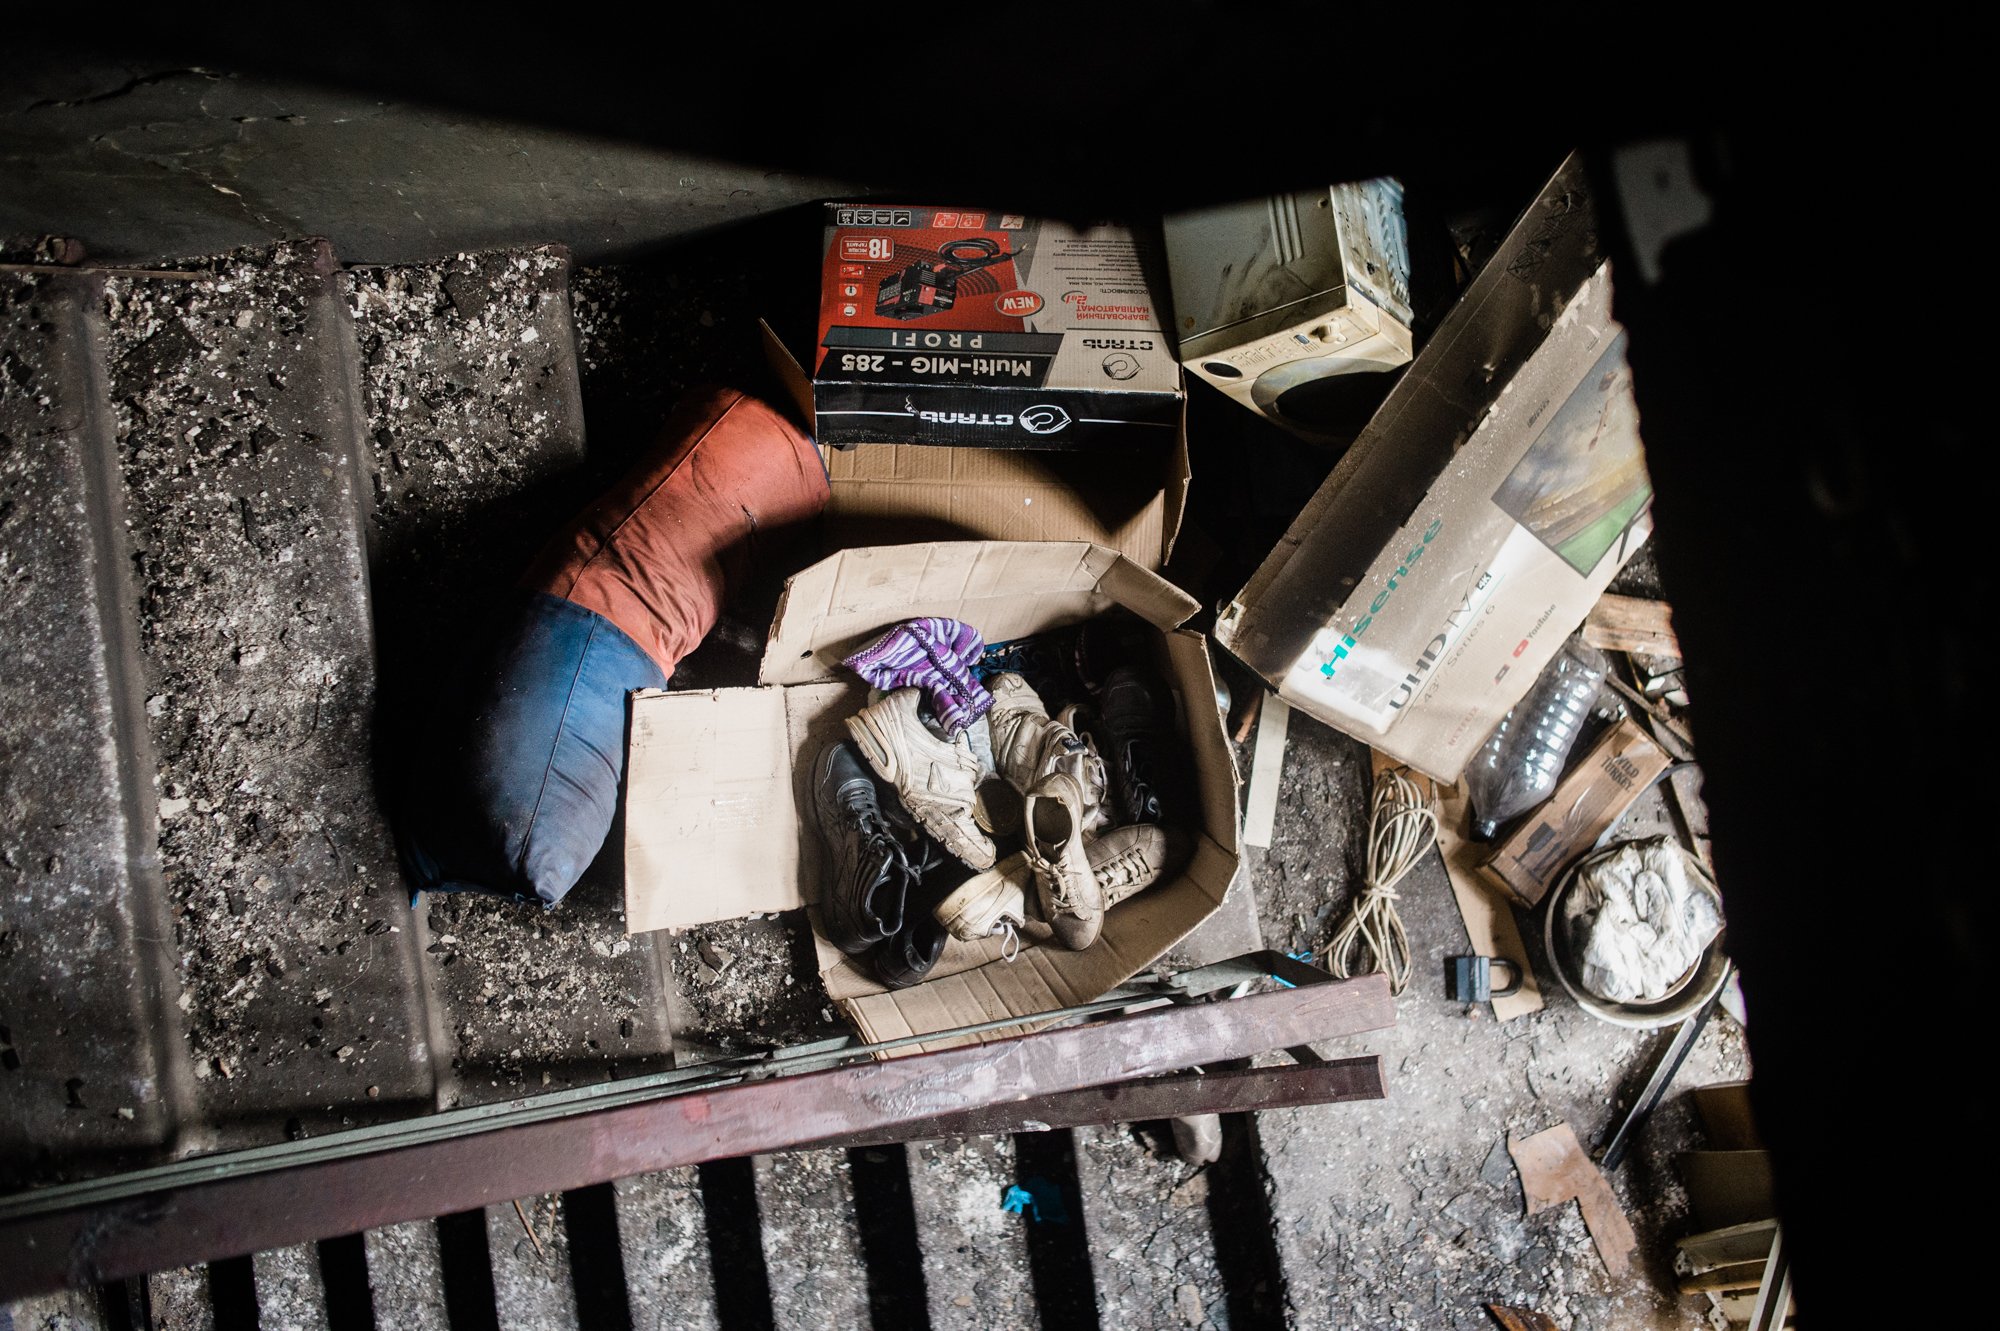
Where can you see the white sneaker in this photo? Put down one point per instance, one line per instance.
(1123, 861)
(1029, 744)
(989, 903)
(1065, 888)
(934, 778)
(1128, 859)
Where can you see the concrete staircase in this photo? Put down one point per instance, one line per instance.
(253, 519)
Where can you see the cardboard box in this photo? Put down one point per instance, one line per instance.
(887, 493)
(719, 814)
(994, 330)
(1593, 794)
(1472, 525)
(1280, 302)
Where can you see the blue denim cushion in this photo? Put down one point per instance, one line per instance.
(544, 757)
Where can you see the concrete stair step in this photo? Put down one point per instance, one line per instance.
(663, 1241)
(475, 436)
(406, 1277)
(976, 1264)
(812, 1241)
(1153, 1252)
(89, 1064)
(532, 1288)
(238, 422)
(178, 1299)
(290, 1292)
(70, 1310)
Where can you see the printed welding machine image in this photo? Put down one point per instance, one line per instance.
(927, 287)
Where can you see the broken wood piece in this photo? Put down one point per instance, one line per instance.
(533, 1237)
(1737, 1275)
(1631, 624)
(1651, 709)
(1267, 767)
(1250, 708)
(1726, 1247)
(1521, 1319)
(1554, 1170)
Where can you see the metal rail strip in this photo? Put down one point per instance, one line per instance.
(241, 1202)
(1233, 1091)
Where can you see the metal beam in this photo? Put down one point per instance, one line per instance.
(1235, 1091)
(282, 1204)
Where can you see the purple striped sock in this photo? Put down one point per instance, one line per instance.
(935, 655)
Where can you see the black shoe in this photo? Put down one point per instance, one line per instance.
(1107, 643)
(909, 953)
(1133, 725)
(869, 873)
(906, 956)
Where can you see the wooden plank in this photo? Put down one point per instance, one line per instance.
(1555, 1170)
(1631, 624)
(1724, 1247)
(1267, 768)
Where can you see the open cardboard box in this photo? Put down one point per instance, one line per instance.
(1127, 500)
(719, 812)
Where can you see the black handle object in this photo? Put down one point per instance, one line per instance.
(1669, 1060)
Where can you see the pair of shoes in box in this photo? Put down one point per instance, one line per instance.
(1090, 831)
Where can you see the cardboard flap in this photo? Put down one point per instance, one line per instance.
(1005, 589)
(1214, 762)
(903, 493)
(711, 829)
(792, 376)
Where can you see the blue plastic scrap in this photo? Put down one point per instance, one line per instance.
(1305, 956)
(1038, 1199)
(1021, 1202)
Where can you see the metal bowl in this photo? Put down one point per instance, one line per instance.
(1680, 1002)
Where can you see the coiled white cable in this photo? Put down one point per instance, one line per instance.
(1401, 828)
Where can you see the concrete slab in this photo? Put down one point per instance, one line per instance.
(237, 424)
(976, 1264)
(290, 1292)
(663, 1238)
(88, 1064)
(812, 1243)
(475, 428)
(1152, 1250)
(179, 1299)
(406, 1277)
(71, 1310)
(531, 1273)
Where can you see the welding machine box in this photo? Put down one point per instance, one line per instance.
(967, 327)
(1293, 304)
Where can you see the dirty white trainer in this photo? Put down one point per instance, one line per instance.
(1123, 861)
(989, 903)
(1127, 859)
(1029, 744)
(934, 778)
(1065, 888)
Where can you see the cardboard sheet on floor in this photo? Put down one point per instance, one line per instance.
(1489, 920)
(1554, 1170)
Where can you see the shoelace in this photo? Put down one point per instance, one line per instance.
(1127, 866)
